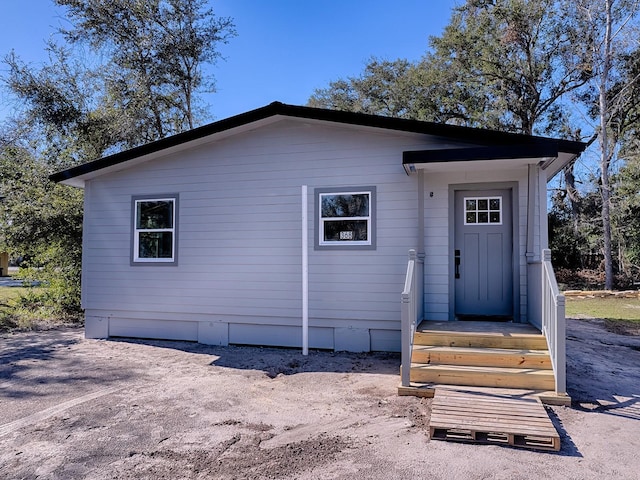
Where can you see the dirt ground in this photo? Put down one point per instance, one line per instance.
(72, 408)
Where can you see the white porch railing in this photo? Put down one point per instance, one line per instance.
(553, 322)
(411, 310)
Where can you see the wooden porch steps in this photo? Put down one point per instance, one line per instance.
(483, 354)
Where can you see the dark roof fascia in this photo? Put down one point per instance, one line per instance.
(462, 134)
(479, 153)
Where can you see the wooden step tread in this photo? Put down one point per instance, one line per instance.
(480, 350)
(483, 376)
(480, 370)
(491, 357)
(482, 334)
(499, 328)
(527, 341)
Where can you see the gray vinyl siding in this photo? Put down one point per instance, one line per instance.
(240, 239)
(238, 279)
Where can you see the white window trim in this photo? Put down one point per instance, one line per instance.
(370, 219)
(488, 211)
(135, 247)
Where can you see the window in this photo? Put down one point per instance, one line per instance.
(345, 218)
(483, 211)
(154, 230)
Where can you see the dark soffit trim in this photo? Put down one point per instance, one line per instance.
(479, 153)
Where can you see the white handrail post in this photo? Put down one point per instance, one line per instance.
(408, 313)
(554, 322)
(406, 340)
(561, 340)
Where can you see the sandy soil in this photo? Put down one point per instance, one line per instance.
(73, 408)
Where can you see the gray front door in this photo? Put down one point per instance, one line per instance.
(483, 254)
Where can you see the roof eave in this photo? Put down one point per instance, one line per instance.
(553, 166)
(76, 176)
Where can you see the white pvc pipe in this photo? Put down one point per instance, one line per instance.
(305, 274)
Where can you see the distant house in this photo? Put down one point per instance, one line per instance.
(199, 236)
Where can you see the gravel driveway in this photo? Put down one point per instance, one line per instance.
(72, 408)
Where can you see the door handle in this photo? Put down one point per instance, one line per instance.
(456, 262)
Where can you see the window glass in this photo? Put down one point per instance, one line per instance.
(483, 211)
(346, 231)
(155, 245)
(154, 233)
(156, 214)
(345, 218)
(345, 205)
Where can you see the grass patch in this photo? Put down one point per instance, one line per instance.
(610, 307)
(8, 294)
(21, 308)
(620, 315)
(9, 299)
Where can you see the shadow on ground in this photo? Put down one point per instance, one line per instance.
(283, 361)
(603, 369)
(40, 364)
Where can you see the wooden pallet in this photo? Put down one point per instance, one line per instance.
(491, 419)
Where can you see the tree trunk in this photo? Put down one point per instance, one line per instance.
(574, 196)
(605, 153)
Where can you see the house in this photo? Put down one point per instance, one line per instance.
(200, 236)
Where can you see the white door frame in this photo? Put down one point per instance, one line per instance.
(515, 227)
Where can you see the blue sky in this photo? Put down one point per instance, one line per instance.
(284, 49)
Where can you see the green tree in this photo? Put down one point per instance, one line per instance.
(523, 66)
(156, 50)
(42, 223)
(141, 83)
(63, 106)
(626, 216)
(521, 57)
(504, 64)
(608, 24)
(625, 181)
(384, 88)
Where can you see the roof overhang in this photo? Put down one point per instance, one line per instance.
(545, 154)
(76, 176)
(484, 145)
